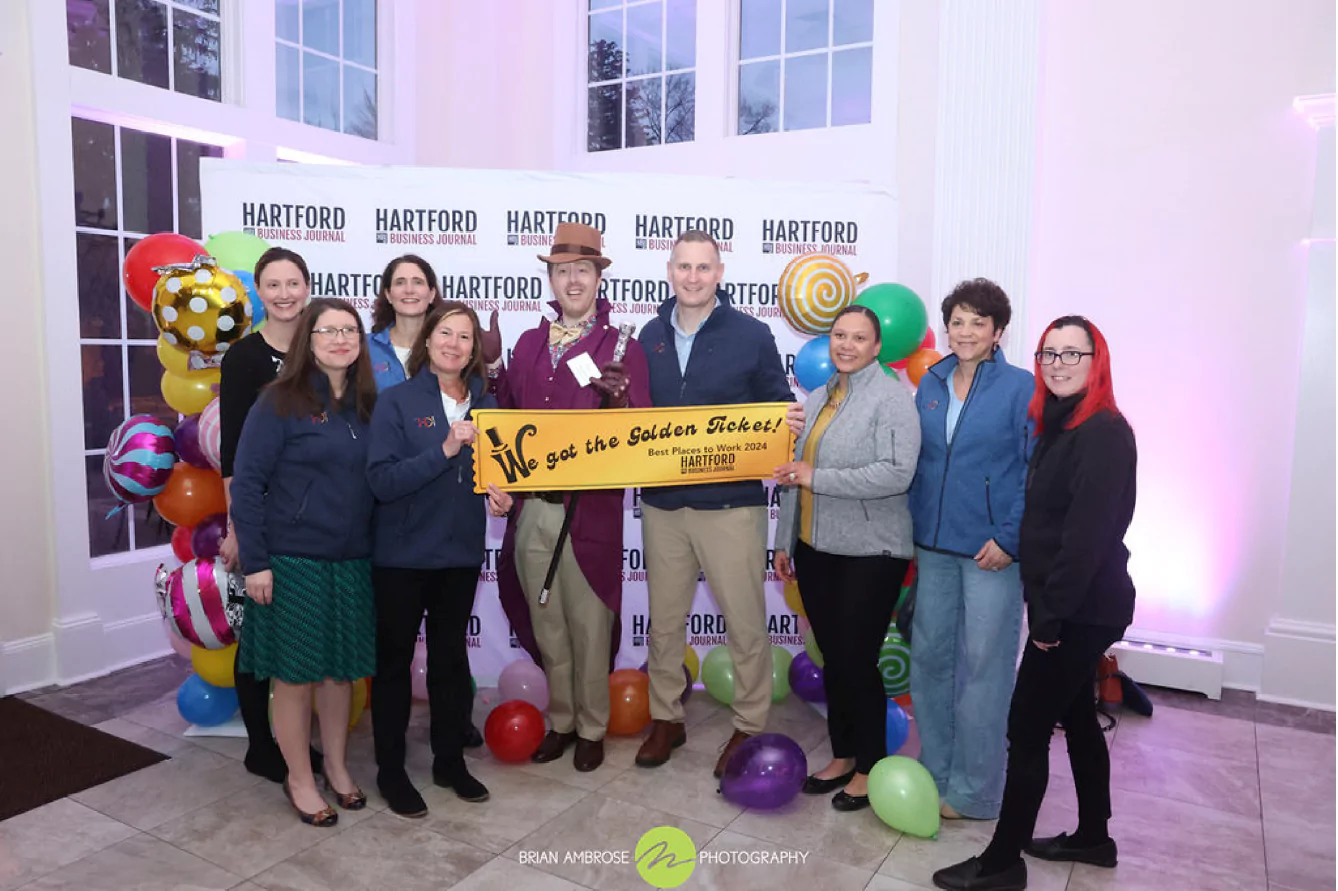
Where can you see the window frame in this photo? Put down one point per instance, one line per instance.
(173, 7)
(340, 62)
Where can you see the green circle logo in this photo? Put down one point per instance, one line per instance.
(666, 857)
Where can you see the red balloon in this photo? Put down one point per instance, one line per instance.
(157, 250)
(513, 731)
(629, 701)
(926, 344)
(181, 543)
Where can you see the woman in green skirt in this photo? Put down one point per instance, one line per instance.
(302, 513)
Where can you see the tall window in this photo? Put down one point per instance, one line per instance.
(642, 73)
(326, 65)
(127, 184)
(172, 44)
(804, 64)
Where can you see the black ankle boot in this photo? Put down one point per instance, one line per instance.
(457, 776)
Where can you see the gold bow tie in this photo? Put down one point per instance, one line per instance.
(561, 335)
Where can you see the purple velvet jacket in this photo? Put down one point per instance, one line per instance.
(597, 526)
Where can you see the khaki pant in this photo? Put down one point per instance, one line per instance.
(573, 631)
(731, 547)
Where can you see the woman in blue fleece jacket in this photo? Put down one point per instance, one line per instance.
(302, 511)
(429, 543)
(966, 507)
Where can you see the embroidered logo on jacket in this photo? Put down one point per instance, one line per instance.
(430, 421)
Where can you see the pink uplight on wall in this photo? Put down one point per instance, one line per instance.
(1318, 110)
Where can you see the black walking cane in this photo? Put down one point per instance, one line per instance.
(619, 350)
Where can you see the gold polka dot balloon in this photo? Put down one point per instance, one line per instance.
(200, 307)
(813, 289)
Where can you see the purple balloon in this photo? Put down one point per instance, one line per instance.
(806, 679)
(188, 443)
(687, 680)
(208, 533)
(767, 771)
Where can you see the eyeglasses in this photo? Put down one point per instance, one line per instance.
(1067, 357)
(336, 333)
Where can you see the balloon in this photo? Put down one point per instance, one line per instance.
(236, 250)
(780, 673)
(203, 704)
(814, 288)
(173, 360)
(248, 279)
(418, 671)
(179, 644)
(811, 648)
(806, 679)
(687, 675)
(804, 625)
(813, 363)
(513, 731)
(793, 600)
(525, 681)
(141, 456)
(926, 344)
(191, 494)
(718, 675)
(692, 662)
(359, 696)
(208, 534)
(215, 666)
(917, 364)
(898, 727)
(188, 442)
(161, 249)
(903, 795)
(766, 771)
(199, 306)
(181, 543)
(191, 393)
(629, 702)
(203, 600)
(910, 575)
(210, 433)
(894, 664)
(887, 370)
(902, 318)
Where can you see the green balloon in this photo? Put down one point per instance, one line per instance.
(718, 675)
(811, 647)
(236, 250)
(894, 664)
(890, 372)
(903, 795)
(780, 673)
(473, 686)
(902, 317)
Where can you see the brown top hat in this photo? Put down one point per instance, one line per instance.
(576, 241)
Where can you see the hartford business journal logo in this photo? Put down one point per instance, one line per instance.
(838, 237)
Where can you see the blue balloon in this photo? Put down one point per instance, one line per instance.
(813, 364)
(257, 308)
(204, 704)
(898, 727)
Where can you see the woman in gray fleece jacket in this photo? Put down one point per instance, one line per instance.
(845, 533)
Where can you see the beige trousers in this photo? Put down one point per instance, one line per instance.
(573, 630)
(730, 546)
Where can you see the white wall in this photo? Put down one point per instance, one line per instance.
(1174, 191)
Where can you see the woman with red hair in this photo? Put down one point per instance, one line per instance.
(1075, 576)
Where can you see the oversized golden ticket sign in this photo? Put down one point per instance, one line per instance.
(616, 448)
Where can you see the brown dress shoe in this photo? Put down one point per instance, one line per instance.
(734, 742)
(589, 754)
(553, 746)
(665, 736)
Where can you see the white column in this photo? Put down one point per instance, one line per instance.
(1299, 640)
(989, 92)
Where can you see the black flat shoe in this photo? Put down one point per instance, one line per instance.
(473, 739)
(1065, 848)
(844, 801)
(815, 786)
(965, 876)
(402, 797)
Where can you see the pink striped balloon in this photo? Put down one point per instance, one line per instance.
(199, 599)
(140, 456)
(209, 434)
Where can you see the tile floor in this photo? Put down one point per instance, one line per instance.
(1207, 795)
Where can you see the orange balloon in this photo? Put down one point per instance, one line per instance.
(629, 702)
(191, 495)
(919, 363)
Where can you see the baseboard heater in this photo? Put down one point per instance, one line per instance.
(1176, 667)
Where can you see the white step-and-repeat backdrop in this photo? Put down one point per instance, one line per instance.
(482, 229)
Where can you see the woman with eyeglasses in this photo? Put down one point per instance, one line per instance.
(966, 504)
(1081, 487)
(302, 510)
(845, 534)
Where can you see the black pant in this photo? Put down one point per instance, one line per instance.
(849, 601)
(1055, 686)
(253, 701)
(402, 597)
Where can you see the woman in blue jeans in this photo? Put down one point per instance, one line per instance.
(966, 507)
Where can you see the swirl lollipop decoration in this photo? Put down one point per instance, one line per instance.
(814, 288)
(140, 456)
(209, 435)
(200, 307)
(894, 664)
(203, 600)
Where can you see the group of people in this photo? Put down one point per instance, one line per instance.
(348, 461)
